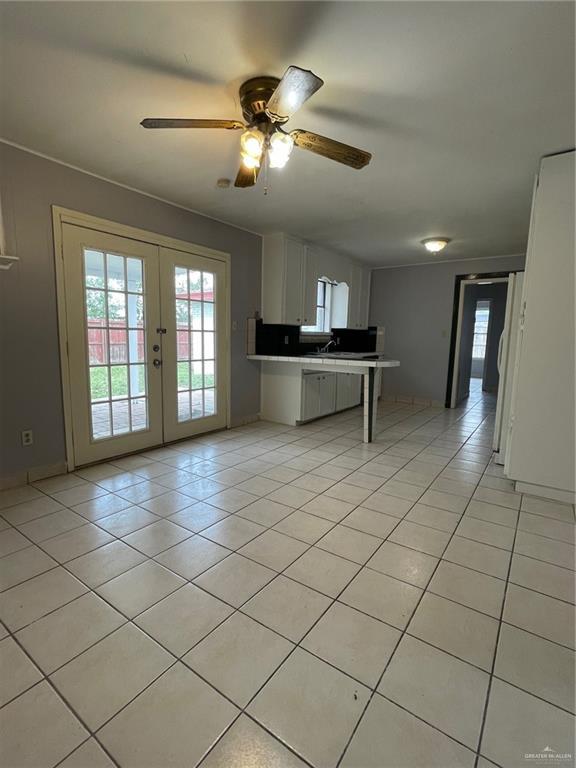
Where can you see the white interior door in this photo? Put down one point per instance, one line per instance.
(147, 343)
(112, 313)
(194, 345)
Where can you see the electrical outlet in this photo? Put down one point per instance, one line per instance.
(27, 437)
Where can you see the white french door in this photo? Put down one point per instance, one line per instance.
(194, 352)
(146, 333)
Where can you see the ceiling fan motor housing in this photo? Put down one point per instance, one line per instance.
(254, 95)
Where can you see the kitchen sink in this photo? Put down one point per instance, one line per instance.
(346, 355)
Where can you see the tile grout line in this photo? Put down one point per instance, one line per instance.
(269, 528)
(153, 681)
(375, 690)
(495, 654)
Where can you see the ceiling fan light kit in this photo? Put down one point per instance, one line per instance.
(252, 147)
(267, 104)
(281, 145)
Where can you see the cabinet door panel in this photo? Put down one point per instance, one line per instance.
(354, 296)
(359, 296)
(293, 282)
(364, 297)
(310, 276)
(327, 394)
(310, 397)
(348, 389)
(342, 390)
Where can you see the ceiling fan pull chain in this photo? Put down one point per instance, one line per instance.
(266, 166)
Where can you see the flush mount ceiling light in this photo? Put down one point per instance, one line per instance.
(435, 244)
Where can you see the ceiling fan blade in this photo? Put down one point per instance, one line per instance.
(296, 87)
(334, 150)
(178, 122)
(246, 177)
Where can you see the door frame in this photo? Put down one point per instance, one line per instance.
(61, 216)
(460, 283)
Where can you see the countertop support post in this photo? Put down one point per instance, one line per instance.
(369, 404)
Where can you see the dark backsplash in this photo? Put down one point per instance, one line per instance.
(274, 339)
(354, 339)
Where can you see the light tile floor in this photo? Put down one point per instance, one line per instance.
(272, 596)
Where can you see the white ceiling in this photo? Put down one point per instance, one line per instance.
(456, 100)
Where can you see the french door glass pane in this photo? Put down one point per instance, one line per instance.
(116, 336)
(195, 332)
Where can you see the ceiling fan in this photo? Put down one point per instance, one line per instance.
(267, 104)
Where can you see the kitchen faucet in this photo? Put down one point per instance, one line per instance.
(326, 347)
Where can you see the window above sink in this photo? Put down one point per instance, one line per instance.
(331, 306)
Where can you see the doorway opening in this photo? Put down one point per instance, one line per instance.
(480, 339)
(477, 326)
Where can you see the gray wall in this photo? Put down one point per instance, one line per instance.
(30, 386)
(415, 305)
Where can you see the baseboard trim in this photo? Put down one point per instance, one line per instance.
(412, 400)
(33, 474)
(245, 420)
(13, 481)
(545, 492)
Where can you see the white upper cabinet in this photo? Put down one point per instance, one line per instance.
(293, 281)
(288, 292)
(359, 296)
(290, 273)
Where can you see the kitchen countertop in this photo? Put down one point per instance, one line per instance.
(329, 361)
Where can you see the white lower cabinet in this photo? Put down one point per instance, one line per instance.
(318, 395)
(348, 390)
(291, 394)
(325, 393)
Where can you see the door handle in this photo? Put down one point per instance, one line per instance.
(156, 363)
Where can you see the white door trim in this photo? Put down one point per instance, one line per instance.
(463, 285)
(61, 216)
(503, 362)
